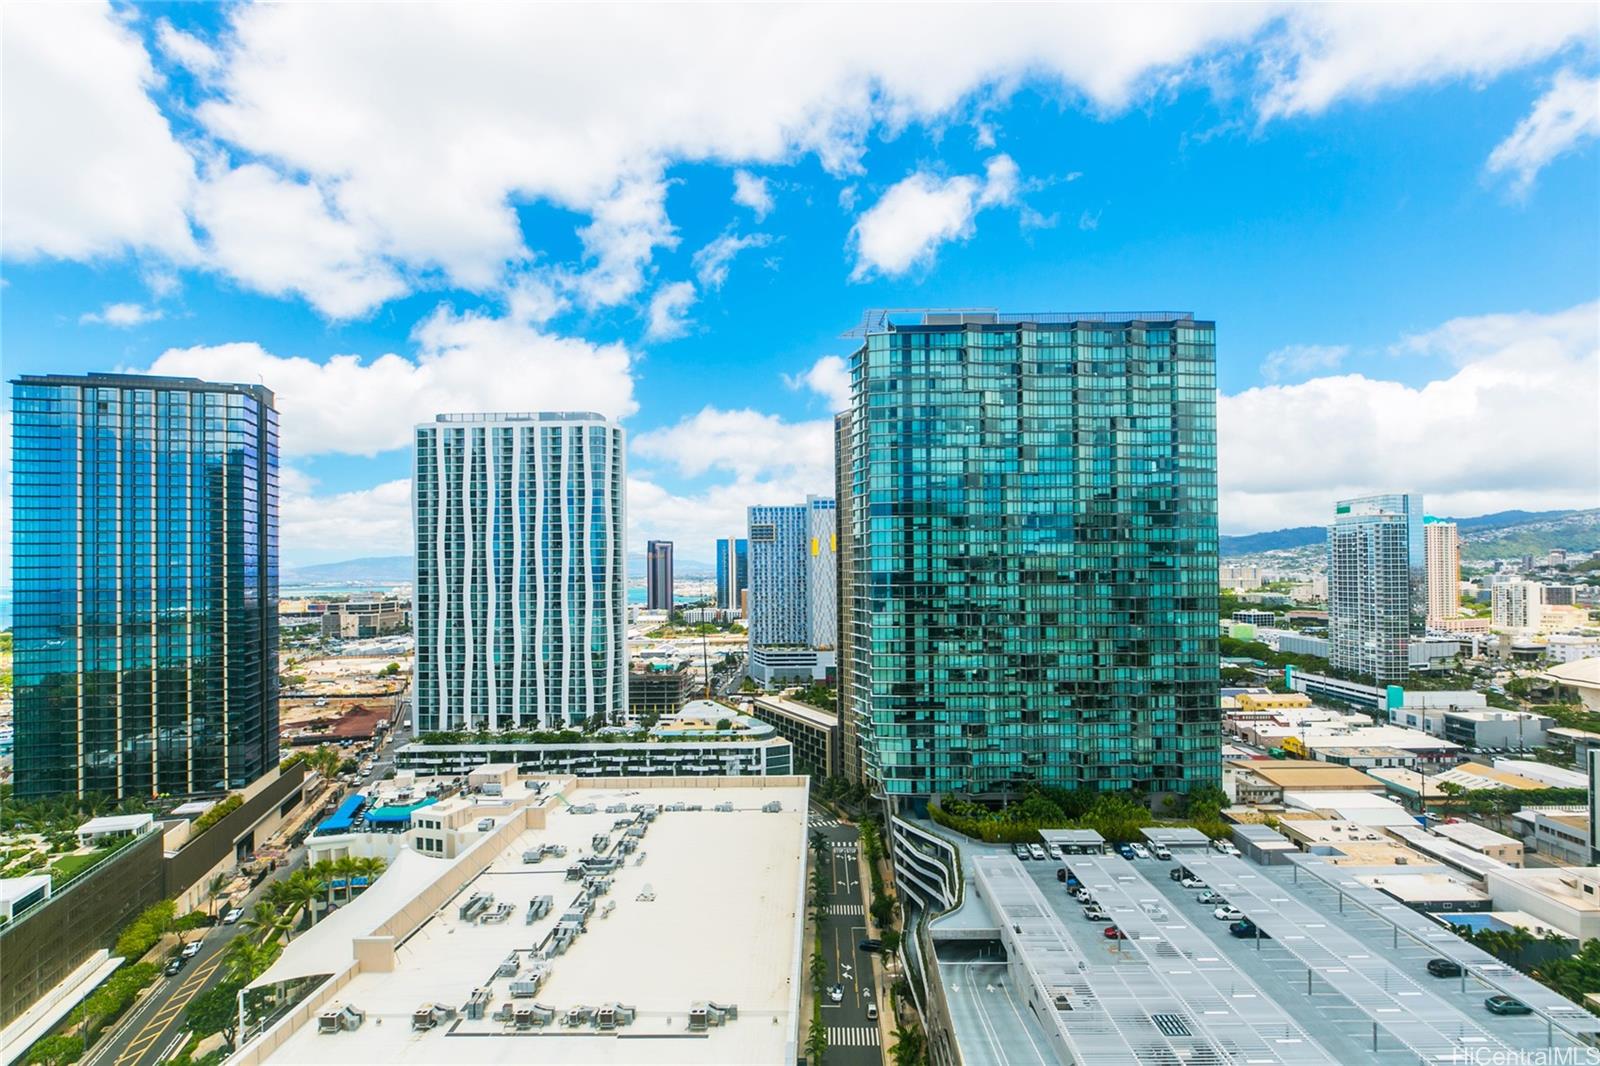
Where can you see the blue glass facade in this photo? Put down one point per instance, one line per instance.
(145, 569)
(1033, 552)
(733, 571)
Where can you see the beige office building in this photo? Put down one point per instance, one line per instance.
(1443, 547)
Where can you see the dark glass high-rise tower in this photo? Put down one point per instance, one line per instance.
(658, 581)
(1033, 544)
(145, 556)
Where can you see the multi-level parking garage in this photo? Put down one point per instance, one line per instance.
(1326, 987)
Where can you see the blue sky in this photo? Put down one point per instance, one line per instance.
(670, 215)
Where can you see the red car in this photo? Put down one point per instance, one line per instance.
(1113, 933)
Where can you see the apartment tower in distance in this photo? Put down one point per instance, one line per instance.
(793, 584)
(145, 559)
(1377, 584)
(658, 575)
(1442, 546)
(733, 572)
(521, 585)
(1033, 543)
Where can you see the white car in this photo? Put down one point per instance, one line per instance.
(1192, 882)
(191, 949)
(1053, 850)
(836, 993)
(232, 916)
(1162, 853)
(1094, 914)
(1228, 914)
(1082, 896)
(1140, 851)
(1036, 851)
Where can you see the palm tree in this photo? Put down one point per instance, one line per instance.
(244, 962)
(214, 889)
(265, 921)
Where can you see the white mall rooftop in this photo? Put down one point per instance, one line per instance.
(709, 908)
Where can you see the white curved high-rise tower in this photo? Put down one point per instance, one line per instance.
(521, 589)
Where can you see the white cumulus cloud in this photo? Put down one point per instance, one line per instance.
(464, 362)
(752, 192)
(918, 214)
(1511, 427)
(91, 167)
(1561, 119)
(828, 377)
(711, 263)
(123, 316)
(669, 311)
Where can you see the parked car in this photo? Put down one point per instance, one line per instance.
(871, 944)
(1140, 851)
(1161, 852)
(1506, 1005)
(1444, 968)
(1244, 928)
(1061, 874)
(1210, 897)
(1083, 895)
(1021, 852)
(1125, 851)
(1192, 882)
(1227, 914)
(1093, 913)
(1053, 850)
(836, 994)
(1178, 873)
(191, 949)
(1037, 851)
(1225, 847)
(232, 916)
(1111, 932)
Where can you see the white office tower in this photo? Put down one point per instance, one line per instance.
(1377, 584)
(521, 584)
(1443, 549)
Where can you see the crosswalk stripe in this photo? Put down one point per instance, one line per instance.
(846, 908)
(852, 1036)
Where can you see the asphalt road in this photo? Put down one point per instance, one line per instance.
(153, 1030)
(853, 1038)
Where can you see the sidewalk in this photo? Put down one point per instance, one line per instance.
(880, 977)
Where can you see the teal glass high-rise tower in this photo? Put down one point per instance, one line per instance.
(1033, 544)
(145, 555)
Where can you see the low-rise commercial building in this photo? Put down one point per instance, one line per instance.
(1484, 841)
(1547, 775)
(1431, 893)
(1568, 899)
(1496, 728)
(656, 921)
(360, 619)
(1562, 836)
(1266, 780)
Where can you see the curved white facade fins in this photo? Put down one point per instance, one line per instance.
(520, 588)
